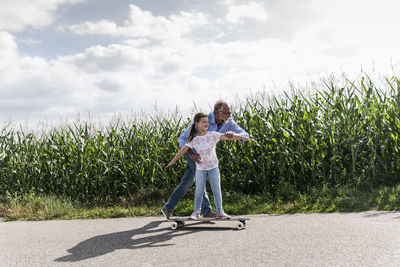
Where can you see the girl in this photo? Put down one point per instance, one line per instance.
(204, 142)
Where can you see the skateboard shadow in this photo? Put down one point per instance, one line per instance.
(104, 244)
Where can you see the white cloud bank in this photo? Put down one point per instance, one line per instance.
(161, 59)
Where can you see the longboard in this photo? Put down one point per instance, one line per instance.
(180, 221)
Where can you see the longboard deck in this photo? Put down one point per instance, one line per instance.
(180, 221)
(207, 219)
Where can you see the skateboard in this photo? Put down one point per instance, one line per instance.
(180, 221)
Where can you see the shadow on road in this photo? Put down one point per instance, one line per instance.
(104, 244)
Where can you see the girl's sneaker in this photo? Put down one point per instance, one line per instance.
(195, 216)
(222, 215)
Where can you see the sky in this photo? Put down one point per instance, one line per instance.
(63, 59)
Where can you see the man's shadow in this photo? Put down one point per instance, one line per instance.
(103, 244)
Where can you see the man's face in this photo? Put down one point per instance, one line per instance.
(223, 115)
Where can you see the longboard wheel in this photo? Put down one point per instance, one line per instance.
(174, 225)
(239, 226)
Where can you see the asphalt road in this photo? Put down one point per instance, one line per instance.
(339, 239)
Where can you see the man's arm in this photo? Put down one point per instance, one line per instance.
(182, 141)
(184, 136)
(237, 129)
(234, 128)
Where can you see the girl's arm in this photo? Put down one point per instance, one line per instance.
(178, 155)
(234, 136)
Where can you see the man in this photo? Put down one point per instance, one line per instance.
(220, 121)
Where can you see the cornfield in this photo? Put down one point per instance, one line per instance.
(338, 135)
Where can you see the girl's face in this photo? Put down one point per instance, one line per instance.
(202, 125)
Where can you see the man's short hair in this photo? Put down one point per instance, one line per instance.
(219, 104)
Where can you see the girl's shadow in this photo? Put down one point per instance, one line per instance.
(103, 244)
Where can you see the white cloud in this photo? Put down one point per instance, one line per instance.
(100, 27)
(113, 58)
(143, 23)
(8, 48)
(29, 41)
(137, 42)
(252, 11)
(16, 15)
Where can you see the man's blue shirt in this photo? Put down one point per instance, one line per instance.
(229, 126)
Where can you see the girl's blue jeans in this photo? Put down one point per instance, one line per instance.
(184, 185)
(215, 182)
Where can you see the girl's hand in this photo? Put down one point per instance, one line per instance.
(229, 135)
(169, 164)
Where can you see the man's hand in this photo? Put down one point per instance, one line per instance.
(194, 156)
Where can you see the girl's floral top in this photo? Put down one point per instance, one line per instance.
(205, 146)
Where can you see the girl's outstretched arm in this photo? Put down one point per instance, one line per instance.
(178, 155)
(234, 136)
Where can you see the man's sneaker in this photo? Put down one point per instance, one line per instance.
(195, 216)
(210, 215)
(166, 212)
(222, 215)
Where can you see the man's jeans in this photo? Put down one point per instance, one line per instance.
(215, 182)
(184, 185)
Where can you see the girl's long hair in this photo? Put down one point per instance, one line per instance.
(193, 131)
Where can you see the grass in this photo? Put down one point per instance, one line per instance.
(37, 208)
(324, 199)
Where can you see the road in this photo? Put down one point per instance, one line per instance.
(336, 239)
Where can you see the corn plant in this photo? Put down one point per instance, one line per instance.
(341, 134)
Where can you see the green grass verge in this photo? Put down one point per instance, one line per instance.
(324, 199)
(50, 207)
